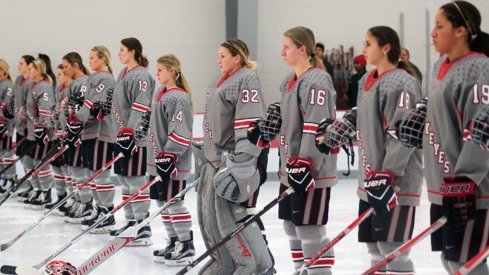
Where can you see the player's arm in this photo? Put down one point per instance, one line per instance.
(46, 104)
(141, 91)
(396, 104)
(94, 101)
(8, 102)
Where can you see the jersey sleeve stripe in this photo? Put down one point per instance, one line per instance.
(179, 139)
(88, 103)
(244, 123)
(310, 128)
(140, 107)
(45, 112)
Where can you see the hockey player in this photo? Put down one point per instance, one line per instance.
(169, 140)
(73, 66)
(308, 96)
(226, 194)
(60, 170)
(22, 84)
(40, 104)
(457, 171)
(6, 124)
(132, 96)
(385, 95)
(97, 146)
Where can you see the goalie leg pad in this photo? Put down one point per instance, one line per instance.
(235, 189)
(208, 224)
(248, 248)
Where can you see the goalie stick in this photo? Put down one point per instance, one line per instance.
(50, 156)
(473, 263)
(7, 269)
(236, 231)
(5, 246)
(406, 246)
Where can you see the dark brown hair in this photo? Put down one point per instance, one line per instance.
(132, 43)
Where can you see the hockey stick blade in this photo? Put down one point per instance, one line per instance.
(236, 231)
(406, 246)
(473, 263)
(61, 202)
(127, 236)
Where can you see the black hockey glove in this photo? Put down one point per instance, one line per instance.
(3, 127)
(165, 165)
(299, 174)
(380, 194)
(320, 136)
(74, 128)
(96, 111)
(40, 134)
(255, 136)
(411, 127)
(125, 141)
(458, 201)
(6, 112)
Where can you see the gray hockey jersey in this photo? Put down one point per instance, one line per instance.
(458, 91)
(305, 102)
(7, 103)
(59, 114)
(171, 129)
(100, 89)
(75, 94)
(382, 101)
(22, 86)
(40, 107)
(232, 102)
(132, 97)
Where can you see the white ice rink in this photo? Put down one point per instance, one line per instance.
(52, 233)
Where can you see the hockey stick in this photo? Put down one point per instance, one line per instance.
(127, 236)
(340, 236)
(35, 269)
(473, 263)
(61, 202)
(19, 158)
(406, 246)
(50, 156)
(13, 149)
(236, 231)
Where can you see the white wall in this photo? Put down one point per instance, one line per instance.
(191, 29)
(341, 23)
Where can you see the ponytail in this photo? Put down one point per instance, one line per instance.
(407, 67)
(480, 43)
(316, 62)
(182, 83)
(143, 61)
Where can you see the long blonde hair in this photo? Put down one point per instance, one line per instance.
(5, 67)
(238, 47)
(171, 61)
(103, 52)
(302, 36)
(41, 67)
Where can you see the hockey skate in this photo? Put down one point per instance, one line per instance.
(183, 254)
(159, 255)
(53, 203)
(92, 219)
(40, 202)
(63, 209)
(33, 195)
(83, 212)
(7, 183)
(118, 231)
(24, 195)
(143, 237)
(107, 225)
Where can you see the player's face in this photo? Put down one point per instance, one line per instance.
(125, 55)
(96, 63)
(358, 66)
(68, 69)
(33, 72)
(443, 35)
(290, 52)
(164, 74)
(372, 51)
(59, 73)
(22, 66)
(226, 62)
(404, 56)
(3, 74)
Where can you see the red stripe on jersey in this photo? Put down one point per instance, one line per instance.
(45, 112)
(166, 218)
(140, 107)
(88, 103)
(179, 139)
(244, 123)
(310, 128)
